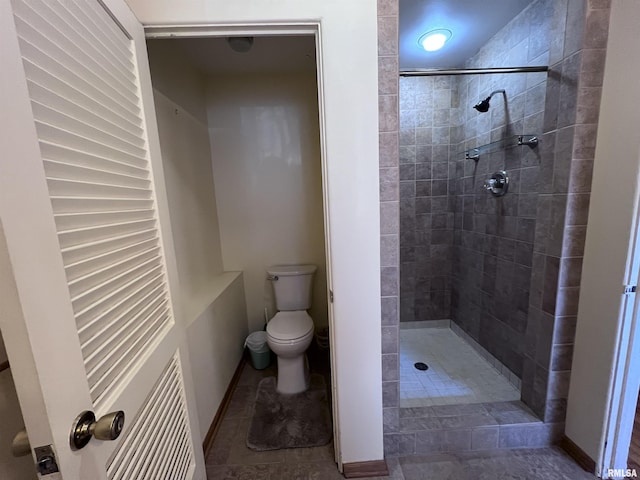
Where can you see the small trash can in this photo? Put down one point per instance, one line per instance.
(259, 350)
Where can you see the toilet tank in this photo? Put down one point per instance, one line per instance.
(292, 286)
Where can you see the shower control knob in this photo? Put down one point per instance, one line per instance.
(497, 183)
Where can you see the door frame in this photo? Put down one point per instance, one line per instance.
(625, 381)
(284, 29)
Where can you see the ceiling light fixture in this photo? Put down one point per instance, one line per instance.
(240, 44)
(435, 39)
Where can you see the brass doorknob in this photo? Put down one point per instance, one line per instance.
(20, 445)
(85, 426)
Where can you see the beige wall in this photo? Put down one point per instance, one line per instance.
(3, 351)
(179, 93)
(211, 301)
(216, 342)
(267, 172)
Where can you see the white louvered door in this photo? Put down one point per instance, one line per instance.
(85, 285)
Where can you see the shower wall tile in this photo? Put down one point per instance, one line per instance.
(388, 75)
(389, 186)
(389, 149)
(390, 394)
(597, 26)
(389, 281)
(592, 71)
(392, 153)
(389, 250)
(388, 35)
(390, 339)
(389, 307)
(426, 111)
(494, 268)
(562, 216)
(388, 8)
(389, 218)
(390, 367)
(388, 108)
(557, 31)
(574, 33)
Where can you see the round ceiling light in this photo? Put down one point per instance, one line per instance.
(434, 40)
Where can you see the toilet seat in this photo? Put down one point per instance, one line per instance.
(290, 326)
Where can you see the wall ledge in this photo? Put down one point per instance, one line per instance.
(195, 306)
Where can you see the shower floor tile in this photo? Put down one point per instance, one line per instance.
(456, 374)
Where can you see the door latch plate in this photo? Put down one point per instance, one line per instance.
(46, 460)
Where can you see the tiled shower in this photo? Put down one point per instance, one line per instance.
(502, 271)
(466, 255)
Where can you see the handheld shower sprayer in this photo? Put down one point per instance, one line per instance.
(483, 106)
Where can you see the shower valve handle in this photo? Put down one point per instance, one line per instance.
(497, 183)
(491, 184)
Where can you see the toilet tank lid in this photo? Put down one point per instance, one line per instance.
(284, 270)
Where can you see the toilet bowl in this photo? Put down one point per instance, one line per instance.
(289, 334)
(290, 331)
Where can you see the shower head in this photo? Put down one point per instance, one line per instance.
(483, 106)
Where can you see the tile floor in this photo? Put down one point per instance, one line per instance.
(457, 373)
(229, 457)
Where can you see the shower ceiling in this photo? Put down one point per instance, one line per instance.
(472, 23)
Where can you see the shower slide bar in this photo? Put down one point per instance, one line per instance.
(472, 71)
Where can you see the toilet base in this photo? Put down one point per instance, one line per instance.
(293, 374)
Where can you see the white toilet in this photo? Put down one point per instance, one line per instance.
(290, 332)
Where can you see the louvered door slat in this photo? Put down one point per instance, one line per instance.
(114, 368)
(171, 468)
(78, 253)
(94, 234)
(111, 331)
(67, 156)
(40, 36)
(116, 51)
(80, 34)
(98, 262)
(104, 282)
(141, 463)
(83, 128)
(77, 96)
(63, 204)
(73, 188)
(183, 460)
(79, 111)
(69, 221)
(172, 442)
(40, 67)
(126, 267)
(114, 296)
(63, 33)
(92, 146)
(56, 169)
(113, 40)
(95, 323)
(41, 52)
(102, 357)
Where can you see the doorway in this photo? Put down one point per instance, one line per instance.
(240, 134)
